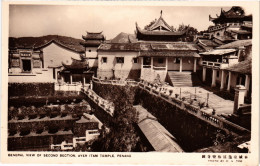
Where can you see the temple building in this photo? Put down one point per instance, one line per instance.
(230, 25)
(40, 59)
(156, 53)
(91, 42)
(228, 65)
(159, 30)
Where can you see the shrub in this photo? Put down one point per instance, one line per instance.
(170, 91)
(53, 129)
(32, 115)
(20, 116)
(54, 114)
(12, 132)
(24, 131)
(64, 113)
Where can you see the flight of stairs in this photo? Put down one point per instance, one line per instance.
(180, 79)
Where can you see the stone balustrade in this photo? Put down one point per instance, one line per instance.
(68, 87)
(104, 104)
(201, 113)
(115, 82)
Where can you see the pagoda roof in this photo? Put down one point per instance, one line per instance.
(160, 23)
(94, 36)
(235, 13)
(159, 33)
(91, 43)
(77, 65)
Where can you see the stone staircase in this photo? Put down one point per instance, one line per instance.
(180, 79)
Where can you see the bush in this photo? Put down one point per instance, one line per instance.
(24, 131)
(54, 114)
(53, 129)
(32, 115)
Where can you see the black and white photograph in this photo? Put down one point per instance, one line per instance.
(131, 79)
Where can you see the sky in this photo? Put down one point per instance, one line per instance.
(74, 21)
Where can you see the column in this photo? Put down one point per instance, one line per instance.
(180, 64)
(247, 83)
(229, 80)
(62, 78)
(214, 74)
(204, 74)
(166, 64)
(84, 80)
(195, 65)
(142, 62)
(239, 97)
(56, 76)
(152, 62)
(70, 78)
(223, 74)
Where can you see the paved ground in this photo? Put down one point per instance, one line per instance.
(219, 104)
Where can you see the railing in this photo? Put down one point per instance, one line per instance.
(218, 27)
(146, 66)
(195, 110)
(115, 82)
(159, 68)
(214, 64)
(68, 87)
(104, 104)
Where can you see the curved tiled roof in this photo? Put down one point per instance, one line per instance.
(40, 42)
(244, 67)
(236, 44)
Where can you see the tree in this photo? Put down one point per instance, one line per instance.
(122, 136)
(191, 32)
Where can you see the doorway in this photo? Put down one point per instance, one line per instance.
(26, 65)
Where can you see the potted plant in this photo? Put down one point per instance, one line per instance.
(170, 92)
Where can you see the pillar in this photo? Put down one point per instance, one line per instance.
(239, 97)
(151, 62)
(180, 64)
(70, 78)
(195, 65)
(56, 75)
(166, 64)
(204, 74)
(229, 80)
(142, 62)
(247, 83)
(84, 80)
(214, 75)
(223, 74)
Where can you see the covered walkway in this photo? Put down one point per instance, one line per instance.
(156, 134)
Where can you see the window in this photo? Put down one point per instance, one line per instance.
(160, 60)
(177, 60)
(104, 59)
(135, 60)
(119, 59)
(89, 50)
(218, 34)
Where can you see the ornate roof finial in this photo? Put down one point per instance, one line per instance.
(161, 13)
